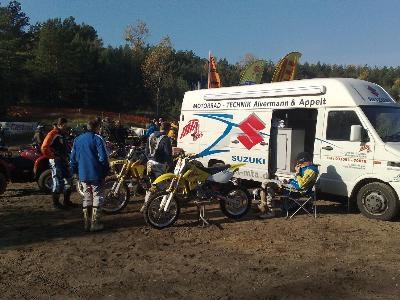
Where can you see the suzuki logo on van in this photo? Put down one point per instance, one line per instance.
(251, 127)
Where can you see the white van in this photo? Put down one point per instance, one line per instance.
(350, 126)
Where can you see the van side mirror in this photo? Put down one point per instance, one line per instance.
(355, 133)
(358, 134)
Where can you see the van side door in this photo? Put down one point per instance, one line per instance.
(341, 160)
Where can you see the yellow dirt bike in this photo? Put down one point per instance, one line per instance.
(192, 181)
(130, 179)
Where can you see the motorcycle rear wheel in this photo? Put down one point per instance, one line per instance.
(158, 218)
(112, 203)
(238, 205)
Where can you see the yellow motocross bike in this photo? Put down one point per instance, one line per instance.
(192, 181)
(130, 179)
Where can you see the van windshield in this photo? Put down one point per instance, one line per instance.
(385, 120)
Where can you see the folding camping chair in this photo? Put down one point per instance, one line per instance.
(301, 200)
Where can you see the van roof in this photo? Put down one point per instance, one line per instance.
(338, 92)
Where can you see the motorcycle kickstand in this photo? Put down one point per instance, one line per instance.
(202, 215)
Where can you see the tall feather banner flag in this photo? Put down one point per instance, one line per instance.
(213, 77)
(253, 73)
(286, 69)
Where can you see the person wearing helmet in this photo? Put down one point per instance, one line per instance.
(305, 177)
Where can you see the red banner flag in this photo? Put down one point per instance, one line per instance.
(213, 77)
(286, 69)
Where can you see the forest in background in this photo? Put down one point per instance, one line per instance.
(59, 63)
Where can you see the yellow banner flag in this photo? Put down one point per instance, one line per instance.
(253, 73)
(213, 77)
(286, 68)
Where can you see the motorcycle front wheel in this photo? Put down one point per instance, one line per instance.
(158, 218)
(237, 203)
(114, 203)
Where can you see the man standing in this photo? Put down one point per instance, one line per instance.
(90, 161)
(159, 154)
(56, 149)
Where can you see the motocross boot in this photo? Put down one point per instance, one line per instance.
(86, 217)
(56, 201)
(67, 200)
(95, 224)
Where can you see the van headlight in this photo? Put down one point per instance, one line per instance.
(393, 164)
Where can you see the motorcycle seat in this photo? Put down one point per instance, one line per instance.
(216, 169)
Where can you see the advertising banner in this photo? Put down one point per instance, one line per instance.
(286, 68)
(253, 73)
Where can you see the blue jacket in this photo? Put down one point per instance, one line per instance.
(150, 130)
(89, 158)
(306, 178)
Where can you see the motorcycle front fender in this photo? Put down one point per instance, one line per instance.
(235, 167)
(164, 177)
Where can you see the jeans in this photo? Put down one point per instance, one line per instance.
(61, 176)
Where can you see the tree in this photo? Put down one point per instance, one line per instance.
(13, 51)
(157, 68)
(65, 60)
(137, 35)
(395, 90)
(248, 59)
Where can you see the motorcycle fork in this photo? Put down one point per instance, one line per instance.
(164, 205)
(121, 178)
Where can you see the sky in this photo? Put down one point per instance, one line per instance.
(360, 32)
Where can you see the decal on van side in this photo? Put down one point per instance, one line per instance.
(250, 137)
(192, 127)
(379, 98)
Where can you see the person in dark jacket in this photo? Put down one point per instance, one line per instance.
(159, 154)
(38, 137)
(56, 149)
(121, 134)
(2, 136)
(89, 161)
(108, 130)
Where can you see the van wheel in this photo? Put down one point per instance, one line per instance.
(377, 200)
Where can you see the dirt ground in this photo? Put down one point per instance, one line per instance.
(44, 254)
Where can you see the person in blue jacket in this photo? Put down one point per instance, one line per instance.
(151, 128)
(89, 160)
